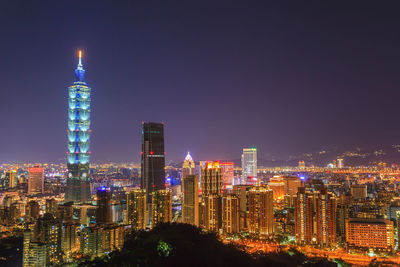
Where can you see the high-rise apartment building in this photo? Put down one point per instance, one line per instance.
(78, 181)
(249, 163)
(34, 252)
(230, 214)
(242, 191)
(161, 206)
(103, 210)
(35, 180)
(136, 208)
(315, 217)
(152, 158)
(190, 203)
(261, 213)
(211, 182)
(212, 212)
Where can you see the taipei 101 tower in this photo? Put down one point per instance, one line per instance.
(78, 181)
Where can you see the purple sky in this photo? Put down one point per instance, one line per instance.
(285, 76)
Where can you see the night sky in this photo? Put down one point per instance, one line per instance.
(285, 76)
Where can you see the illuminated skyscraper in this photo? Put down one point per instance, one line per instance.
(249, 162)
(230, 214)
(103, 211)
(152, 158)
(78, 181)
(212, 212)
(11, 177)
(188, 166)
(190, 204)
(242, 191)
(315, 216)
(161, 206)
(136, 208)
(211, 178)
(227, 174)
(35, 180)
(261, 213)
(34, 252)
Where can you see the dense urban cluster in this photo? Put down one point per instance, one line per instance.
(68, 213)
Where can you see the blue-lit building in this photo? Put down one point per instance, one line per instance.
(78, 181)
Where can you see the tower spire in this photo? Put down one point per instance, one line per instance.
(80, 57)
(80, 72)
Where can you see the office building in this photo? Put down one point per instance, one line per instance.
(79, 101)
(35, 180)
(136, 208)
(188, 167)
(230, 214)
(190, 203)
(261, 213)
(377, 234)
(249, 163)
(152, 158)
(227, 174)
(103, 211)
(211, 182)
(161, 206)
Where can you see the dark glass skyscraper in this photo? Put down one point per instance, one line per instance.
(153, 158)
(103, 211)
(78, 182)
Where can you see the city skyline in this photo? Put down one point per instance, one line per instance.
(272, 77)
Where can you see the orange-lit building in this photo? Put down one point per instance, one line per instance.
(35, 180)
(370, 233)
(230, 214)
(261, 213)
(227, 174)
(277, 185)
(315, 217)
(211, 178)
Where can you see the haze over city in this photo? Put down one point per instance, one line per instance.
(289, 77)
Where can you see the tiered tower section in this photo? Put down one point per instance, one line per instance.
(78, 181)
